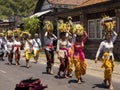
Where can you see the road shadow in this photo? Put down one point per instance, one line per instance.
(10, 64)
(25, 66)
(2, 59)
(100, 86)
(75, 81)
(58, 77)
(34, 62)
(72, 81)
(45, 73)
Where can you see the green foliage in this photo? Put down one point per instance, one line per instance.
(18, 7)
(31, 24)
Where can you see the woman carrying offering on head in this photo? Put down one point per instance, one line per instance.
(107, 47)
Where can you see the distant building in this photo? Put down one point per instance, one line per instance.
(6, 25)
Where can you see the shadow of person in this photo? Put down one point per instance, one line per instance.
(58, 77)
(72, 81)
(9, 63)
(45, 73)
(25, 66)
(100, 86)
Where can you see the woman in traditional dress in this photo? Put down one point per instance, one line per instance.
(62, 52)
(70, 58)
(17, 45)
(28, 49)
(71, 39)
(107, 47)
(78, 54)
(49, 50)
(9, 46)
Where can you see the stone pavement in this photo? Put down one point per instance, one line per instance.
(93, 68)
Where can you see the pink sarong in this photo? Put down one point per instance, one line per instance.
(81, 54)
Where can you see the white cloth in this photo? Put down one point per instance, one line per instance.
(2, 42)
(35, 43)
(28, 46)
(69, 44)
(107, 47)
(74, 38)
(49, 41)
(61, 44)
(9, 46)
(17, 44)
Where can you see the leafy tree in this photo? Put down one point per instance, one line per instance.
(31, 24)
(18, 7)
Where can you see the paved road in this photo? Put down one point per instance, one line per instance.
(10, 75)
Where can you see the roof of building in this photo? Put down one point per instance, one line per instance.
(92, 2)
(70, 2)
(79, 3)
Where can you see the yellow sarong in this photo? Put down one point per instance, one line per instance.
(70, 61)
(108, 64)
(80, 67)
(27, 55)
(36, 52)
(70, 65)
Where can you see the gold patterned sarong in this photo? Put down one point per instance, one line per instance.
(108, 64)
(80, 67)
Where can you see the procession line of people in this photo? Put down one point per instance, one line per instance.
(11, 48)
(70, 45)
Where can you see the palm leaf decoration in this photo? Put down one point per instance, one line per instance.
(107, 24)
(17, 32)
(60, 26)
(79, 29)
(2, 34)
(48, 26)
(68, 26)
(73, 29)
(24, 33)
(10, 33)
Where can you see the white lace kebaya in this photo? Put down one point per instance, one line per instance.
(107, 46)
